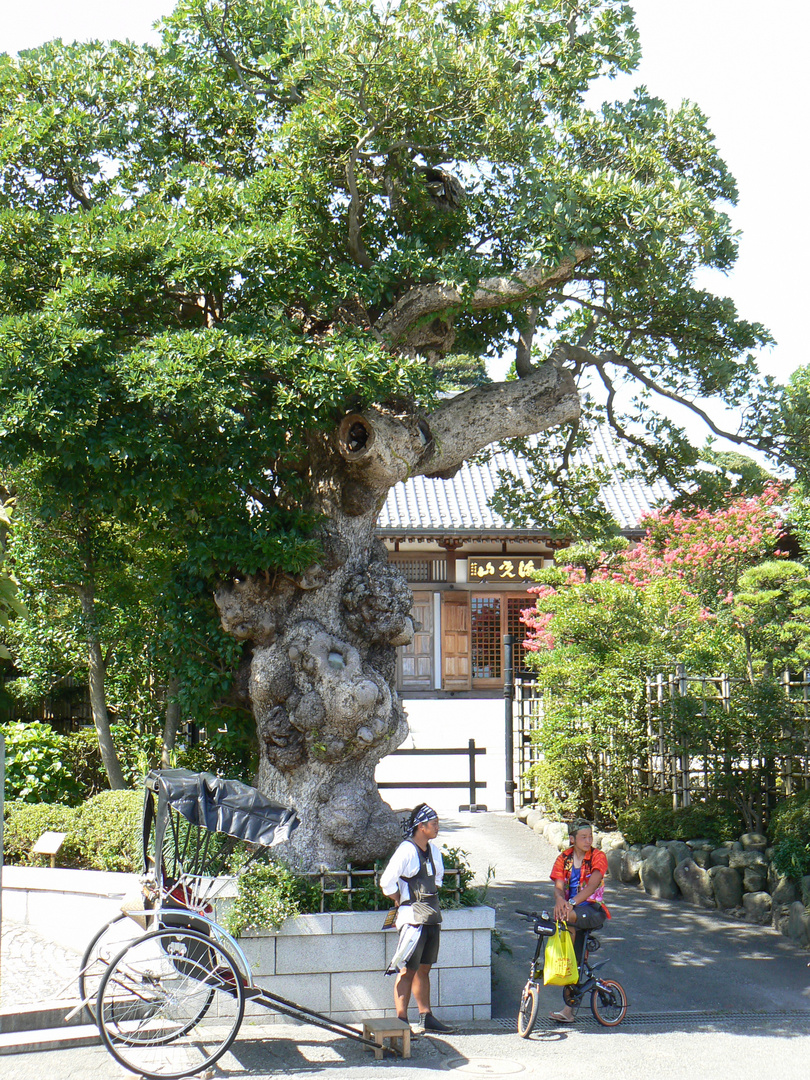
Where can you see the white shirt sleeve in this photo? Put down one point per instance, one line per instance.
(403, 863)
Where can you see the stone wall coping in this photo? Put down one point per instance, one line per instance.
(85, 882)
(480, 917)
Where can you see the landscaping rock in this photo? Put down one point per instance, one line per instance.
(657, 875)
(754, 880)
(701, 842)
(781, 917)
(732, 845)
(727, 886)
(754, 841)
(557, 834)
(804, 888)
(743, 860)
(615, 861)
(702, 857)
(781, 888)
(719, 857)
(695, 884)
(798, 927)
(523, 812)
(613, 840)
(631, 864)
(680, 850)
(533, 817)
(647, 850)
(758, 908)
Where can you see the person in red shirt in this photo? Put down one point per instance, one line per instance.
(578, 874)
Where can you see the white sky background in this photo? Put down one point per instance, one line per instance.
(742, 62)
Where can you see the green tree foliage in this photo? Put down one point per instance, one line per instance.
(214, 248)
(700, 591)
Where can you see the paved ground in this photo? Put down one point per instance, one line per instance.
(708, 996)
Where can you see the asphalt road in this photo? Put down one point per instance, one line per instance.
(709, 997)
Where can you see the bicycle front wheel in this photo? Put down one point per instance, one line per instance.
(527, 1014)
(170, 1004)
(609, 1003)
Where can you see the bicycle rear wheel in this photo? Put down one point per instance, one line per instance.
(609, 1003)
(170, 1004)
(527, 1014)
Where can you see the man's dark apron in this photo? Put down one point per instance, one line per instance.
(424, 895)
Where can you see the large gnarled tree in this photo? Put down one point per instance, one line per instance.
(232, 264)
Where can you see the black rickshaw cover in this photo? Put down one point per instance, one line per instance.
(224, 806)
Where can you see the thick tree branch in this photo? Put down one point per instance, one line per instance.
(523, 353)
(473, 420)
(399, 324)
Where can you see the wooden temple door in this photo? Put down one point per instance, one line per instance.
(455, 641)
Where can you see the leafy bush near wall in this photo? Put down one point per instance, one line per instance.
(790, 832)
(102, 833)
(269, 892)
(23, 825)
(653, 819)
(38, 768)
(108, 829)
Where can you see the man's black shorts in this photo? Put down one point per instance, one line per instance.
(427, 948)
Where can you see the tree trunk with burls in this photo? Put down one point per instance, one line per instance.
(320, 646)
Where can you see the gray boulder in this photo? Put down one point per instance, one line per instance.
(533, 817)
(615, 861)
(556, 833)
(631, 864)
(781, 888)
(647, 850)
(702, 856)
(780, 917)
(727, 886)
(719, 857)
(758, 908)
(745, 860)
(612, 840)
(804, 888)
(680, 850)
(701, 842)
(798, 927)
(754, 880)
(695, 884)
(754, 841)
(657, 875)
(523, 812)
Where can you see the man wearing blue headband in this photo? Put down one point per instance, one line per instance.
(412, 879)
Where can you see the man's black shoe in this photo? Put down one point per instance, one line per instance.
(428, 1022)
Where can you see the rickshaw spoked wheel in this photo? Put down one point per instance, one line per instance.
(170, 1004)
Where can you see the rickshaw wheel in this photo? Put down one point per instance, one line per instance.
(170, 1004)
(106, 944)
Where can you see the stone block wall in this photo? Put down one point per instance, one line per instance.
(335, 964)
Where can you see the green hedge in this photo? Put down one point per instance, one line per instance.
(102, 834)
(653, 819)
(790, 832)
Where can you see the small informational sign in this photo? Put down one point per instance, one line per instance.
(49, 844)
(500, 569)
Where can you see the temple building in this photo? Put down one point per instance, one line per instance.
(470, 571)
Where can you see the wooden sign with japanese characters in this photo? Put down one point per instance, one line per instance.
(500, 569)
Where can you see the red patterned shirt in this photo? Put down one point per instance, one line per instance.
(594, 860)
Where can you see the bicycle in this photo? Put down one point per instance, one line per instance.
(608, 999)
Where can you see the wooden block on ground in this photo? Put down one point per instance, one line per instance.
(395, 1030)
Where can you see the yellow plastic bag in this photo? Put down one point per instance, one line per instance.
(560, 967)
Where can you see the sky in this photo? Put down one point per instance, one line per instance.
(744, 63)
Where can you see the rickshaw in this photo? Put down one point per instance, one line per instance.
(166, 984)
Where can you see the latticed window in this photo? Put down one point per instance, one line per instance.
(514, 606)
(415, 569)
(485, 636)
